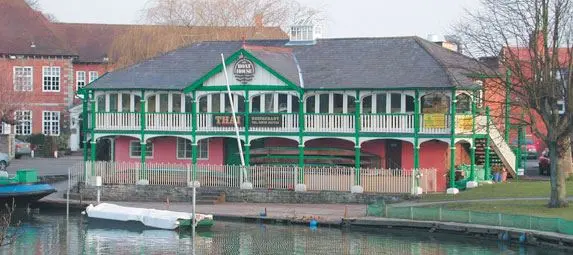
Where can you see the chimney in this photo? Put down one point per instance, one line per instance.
(447, 42)
(536, 41)
(259, 21)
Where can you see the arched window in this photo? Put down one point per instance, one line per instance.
(435, 103)
(463, 104)
(274, 102)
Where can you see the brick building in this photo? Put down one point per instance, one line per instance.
(42, 64)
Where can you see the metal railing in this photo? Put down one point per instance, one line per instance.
(557, 225)
(262, 176)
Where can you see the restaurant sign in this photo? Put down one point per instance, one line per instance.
(434, 120)
(258, 120)
(244, 70)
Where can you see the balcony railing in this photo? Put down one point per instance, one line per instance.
(284, 122)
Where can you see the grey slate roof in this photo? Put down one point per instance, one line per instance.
(330, 63)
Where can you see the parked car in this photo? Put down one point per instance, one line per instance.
(22, 148)
(529, 148)
(4, 161)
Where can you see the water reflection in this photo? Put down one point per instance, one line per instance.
(51, 234)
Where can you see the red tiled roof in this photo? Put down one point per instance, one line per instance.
(27, 32)
(526, 55)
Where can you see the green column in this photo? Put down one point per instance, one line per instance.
(473, 147)
(453, 139)
(85, 122)
(301, 138)
(93, 140)
(247, 121)
(142, 136)
(519, 156)
(417, 130)
(507, 104)
(357, 128)
(194, 135)
(487, 167)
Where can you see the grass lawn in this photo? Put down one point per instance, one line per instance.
(522, 207)
(501, 190)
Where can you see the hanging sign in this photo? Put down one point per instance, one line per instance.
(464, 123)
(244, 70)
(434, 120)
(266, 120)
(257, 120)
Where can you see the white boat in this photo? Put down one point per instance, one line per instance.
(152, 218)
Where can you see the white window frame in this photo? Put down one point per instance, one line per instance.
(15, 76)
(202, 144)
(4, 128)
(19, 127)
(50, 123)
(55, 73)
(146, 151)
(78, 80)
(93, 76)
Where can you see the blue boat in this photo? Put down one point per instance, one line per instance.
(22, 189)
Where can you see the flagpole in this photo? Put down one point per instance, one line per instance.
(243, 170)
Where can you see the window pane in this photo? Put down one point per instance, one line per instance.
(215, 103)
(410, 107)
(269, 102)
(113, 102)
(351, 105)
(256, 104)
(125, 102)
(295, 104)
(202, 104)
(189, 104)
(137, 103)
(101, 103)
(367, 104)
(310, 104)
(395, 102)
(283, 98)
(151, 103)
(338, 103)
(164, 103)
(176, 102)
(324, 103)
(381, 103)
(463, 103)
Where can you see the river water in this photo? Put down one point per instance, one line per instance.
(51, 233)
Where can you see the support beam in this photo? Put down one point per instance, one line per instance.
(93, 140)
(142, 177)
(300, 186)
(194, 181)
(247, 124)
(473, 149)
(452, 189)
(416, 130)
(507, 104)
(357, 188)
(85, 122)
(487, 167)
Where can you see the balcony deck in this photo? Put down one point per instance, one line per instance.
(282, 123)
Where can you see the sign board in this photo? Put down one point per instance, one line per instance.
(266, 120)
(244, 70)
(257, 120)
(434, 120)
(464, 122)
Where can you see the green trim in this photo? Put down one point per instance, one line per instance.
(219, 68)
(93, 140)
(416, 129)
(142, 135)
(357, 128)
(194, 136)
(507, 103)
(487, 170)
(247, 127)
(301, 128)
(246, 87)
(453, 139)
(85, 123)
(473, 147)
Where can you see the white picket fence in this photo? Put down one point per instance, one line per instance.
(262, 177)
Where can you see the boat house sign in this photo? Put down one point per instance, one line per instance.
(244, 70)
(256, 120)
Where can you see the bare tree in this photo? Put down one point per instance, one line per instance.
(11, 100)
(8, 229)
(533, 39)
(280, 13)
(35, 4)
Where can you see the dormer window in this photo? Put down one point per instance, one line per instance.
(304, 32)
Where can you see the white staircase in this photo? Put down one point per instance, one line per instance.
(500, 146)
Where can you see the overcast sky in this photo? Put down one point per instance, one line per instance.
(346, 18)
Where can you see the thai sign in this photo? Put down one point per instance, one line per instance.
(258, 120)
(244, 70)
(434, 120)
(464, 123)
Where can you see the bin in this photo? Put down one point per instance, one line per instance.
(27, 175)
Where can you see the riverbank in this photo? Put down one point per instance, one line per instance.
(351, 216)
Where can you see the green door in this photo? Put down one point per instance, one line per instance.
(231, 152)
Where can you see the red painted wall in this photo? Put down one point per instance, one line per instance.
(435, 154)
(165, 151)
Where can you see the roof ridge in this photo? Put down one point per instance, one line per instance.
(418, 39)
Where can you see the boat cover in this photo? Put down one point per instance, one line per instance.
(154, 218)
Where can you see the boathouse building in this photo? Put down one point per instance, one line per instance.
(361, 103)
